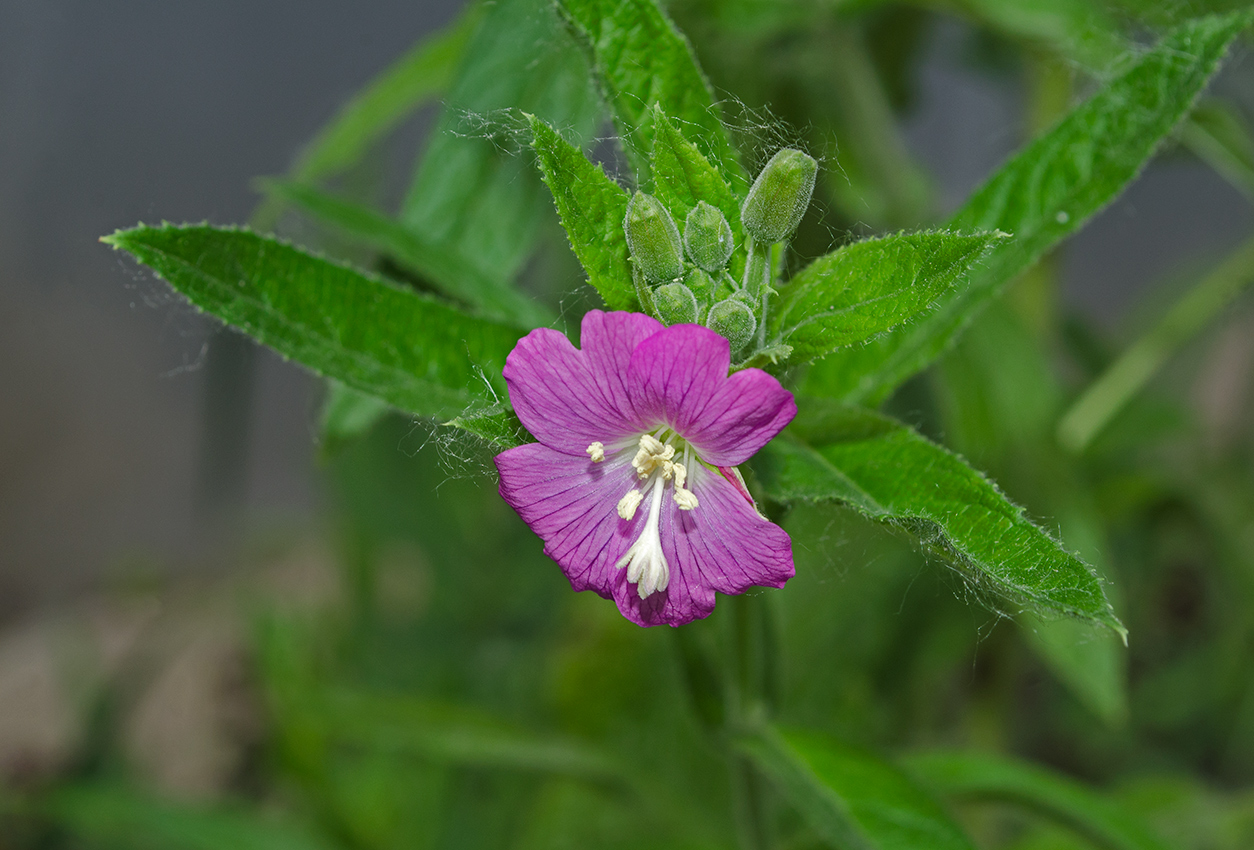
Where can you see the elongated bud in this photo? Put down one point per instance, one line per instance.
(653, 238)
(779, 197)
(708, 237)
(675, 304)
(733, 319)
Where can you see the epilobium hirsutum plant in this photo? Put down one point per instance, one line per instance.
(706, 432)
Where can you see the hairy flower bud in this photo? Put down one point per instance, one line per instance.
(779, 197)
(702, 286)
(653, 238)
(734, 320)
(708, 237)
(675, 304)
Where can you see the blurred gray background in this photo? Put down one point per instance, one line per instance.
(116, 113)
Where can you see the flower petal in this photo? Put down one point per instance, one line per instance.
(679, 376)
(723, 545)
(571, 503)
(569, 398)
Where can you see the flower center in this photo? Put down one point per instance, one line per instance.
(656, 468)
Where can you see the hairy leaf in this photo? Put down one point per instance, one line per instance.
(864, 289)
(593, 208)
(851, 798)
(641, 59)
(412, 351)
(985, 776)
(890, 473)
(682, 176)
(1045, 193)
(446, 269)
(496, 425)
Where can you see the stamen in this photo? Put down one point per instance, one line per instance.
(596, 451)
(627, 504)
(685, 499)
(652, 454)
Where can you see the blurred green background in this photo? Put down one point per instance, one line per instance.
(361, 646)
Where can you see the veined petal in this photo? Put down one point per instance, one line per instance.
(568, 397)
(723, 545)
(679, 376)
(571, 503)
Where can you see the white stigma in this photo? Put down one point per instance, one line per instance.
(645, 561)
(596, 451)
(646, 564)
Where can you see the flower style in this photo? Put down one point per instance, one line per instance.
(632, 485)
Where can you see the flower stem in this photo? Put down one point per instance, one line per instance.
(757, 268)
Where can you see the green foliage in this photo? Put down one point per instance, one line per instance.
(472, 195)
(983, 776)
(864, 289)
(641, 59)
(336, 321)
(890, 473)
(1046, 192)
(683, 177)
(593, 208)
(454, 276)
(112, 816)
(851, 799)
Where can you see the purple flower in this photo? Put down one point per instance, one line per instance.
(633, 486)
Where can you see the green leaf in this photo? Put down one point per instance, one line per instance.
(455, 734)
(891, 474)
(682, 176)
(988, 777)
(641, 59)
(593, 208)
(420, 75)
(116, 817)
(852, 799)
(452, 275)
(1112, 391)
(1219, 134)
(412, 351)
(496, 425)
(1044, 194)
(473, 193)
(347, 415)
(1090, 662)
(864, 289)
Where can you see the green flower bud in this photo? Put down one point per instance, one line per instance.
(653, 238)
(708, 237)
(779, 197)
(733, 319)
(675, 304)
(702, 286)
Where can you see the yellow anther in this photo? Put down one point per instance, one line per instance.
(596, 451)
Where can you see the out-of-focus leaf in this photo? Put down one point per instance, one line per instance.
(852, 799)
(864, 289)
(473, 193)
(1045, 193)
(346, 415)
(1106, 396)
(682, 176)
(457, 735)
(1076, 29)
(891, 474)
(986, 776)
(641, 59)
(491, 294)
(409, 82)
(592, 207)
(1088, 661)
(1221, 136)
(116, 817)
(414, 352)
